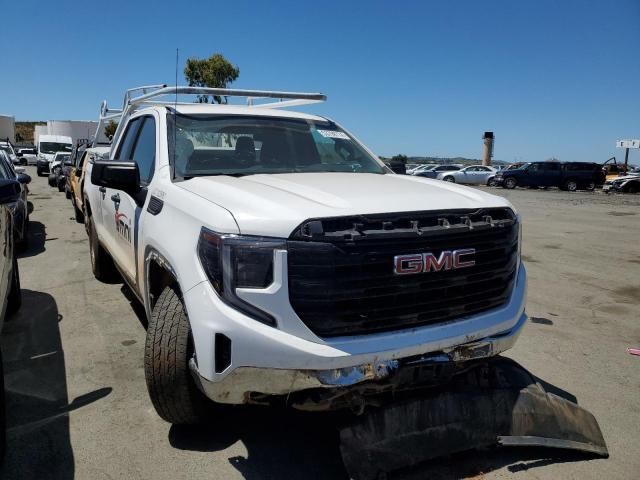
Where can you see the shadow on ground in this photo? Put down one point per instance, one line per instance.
(38, 444)
(279, 443)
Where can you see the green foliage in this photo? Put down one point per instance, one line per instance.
(213, 72)
(400, 158)
(110, 129)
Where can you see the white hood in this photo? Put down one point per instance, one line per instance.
(274, 205)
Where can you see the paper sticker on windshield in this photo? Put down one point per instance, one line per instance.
(333, 134)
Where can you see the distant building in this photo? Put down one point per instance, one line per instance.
(7, 128)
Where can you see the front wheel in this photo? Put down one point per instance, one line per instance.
(101, 262)
(570, 185)
(591, 186)
(491, 182)
(510, 183)
(14, 301)
(449, 179)
(168, 349)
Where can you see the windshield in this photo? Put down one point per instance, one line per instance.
(6, 149)
(243, 145)
(53, 147)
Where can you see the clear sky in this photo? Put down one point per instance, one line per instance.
(550, 78)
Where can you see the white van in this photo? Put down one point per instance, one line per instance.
(48, 146)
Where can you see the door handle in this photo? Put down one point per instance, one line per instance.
(115, 197)
(102, 190)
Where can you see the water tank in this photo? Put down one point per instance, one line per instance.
(37, 131)
(78, 130)
(7, 128)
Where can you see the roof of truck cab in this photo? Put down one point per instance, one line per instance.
(214, 109)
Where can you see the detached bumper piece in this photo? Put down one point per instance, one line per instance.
(495, 403)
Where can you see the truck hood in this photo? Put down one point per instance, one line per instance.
(274, 205)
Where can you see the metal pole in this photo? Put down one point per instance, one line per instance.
(626, 160)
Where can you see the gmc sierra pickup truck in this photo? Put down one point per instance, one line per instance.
(279, 260)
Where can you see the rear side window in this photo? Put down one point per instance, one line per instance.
(144, 153)
(126, 145)
(553, 167)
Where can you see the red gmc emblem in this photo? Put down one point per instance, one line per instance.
(428, 262)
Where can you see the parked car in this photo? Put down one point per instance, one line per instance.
(76, 177)
(56, 167)
(436, 170)
(475, 175)
(422, 168)
(626, 184)
(7, 147)
(19, 208)
(10, 293)
(48, 146)
(27, 156)
(569, 176)
(278, 259)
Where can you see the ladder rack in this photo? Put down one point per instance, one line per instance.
(138, 97)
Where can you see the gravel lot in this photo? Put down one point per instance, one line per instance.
(78, 405)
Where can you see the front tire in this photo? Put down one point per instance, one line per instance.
(510, 183)
(14, 301)
(570, 185)
(168, 349)
(492, 182)
(449, 179)
(101, 262)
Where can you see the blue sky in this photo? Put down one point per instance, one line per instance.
(550, 78)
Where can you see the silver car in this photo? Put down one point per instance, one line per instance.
(474, 175)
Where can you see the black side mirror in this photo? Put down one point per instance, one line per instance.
(119, 175)
(9, 191)
(24, 178)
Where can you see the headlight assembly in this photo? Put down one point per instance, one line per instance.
(237, 261)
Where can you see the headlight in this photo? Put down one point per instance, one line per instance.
(236, 261)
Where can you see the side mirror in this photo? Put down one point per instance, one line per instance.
(18, 169)
(24, 178)
(9, 191)
(119, 175)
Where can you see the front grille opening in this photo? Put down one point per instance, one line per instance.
(341, 286)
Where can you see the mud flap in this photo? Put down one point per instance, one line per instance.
(494, 403)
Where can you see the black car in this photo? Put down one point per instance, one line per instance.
(569, 176)
(10, 294)
(19, 207)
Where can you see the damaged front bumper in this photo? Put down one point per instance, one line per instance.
(495, 403)
(254, 385)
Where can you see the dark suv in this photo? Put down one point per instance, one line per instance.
(569, 176)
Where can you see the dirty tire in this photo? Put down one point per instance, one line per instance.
(78, 213)
(570, 185)
(510, 183)
(51, 180)
(167, 351)
(14, 300)
(101, 262)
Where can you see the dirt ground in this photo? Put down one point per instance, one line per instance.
(77, 400)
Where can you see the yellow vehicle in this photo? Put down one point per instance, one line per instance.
(613, 170)
(76, 178)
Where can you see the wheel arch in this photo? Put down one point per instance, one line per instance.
(158, 274)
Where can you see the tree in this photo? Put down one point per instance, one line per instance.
(399, 158)
(110, 129)
(213, 72)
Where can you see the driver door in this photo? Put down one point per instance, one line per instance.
(121, 212)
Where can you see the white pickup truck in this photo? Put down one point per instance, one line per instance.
(279, 260)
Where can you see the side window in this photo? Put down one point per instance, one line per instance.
(553, 166)
(124, 149)
(144, 153)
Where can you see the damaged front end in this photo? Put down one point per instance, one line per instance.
(495, 402)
